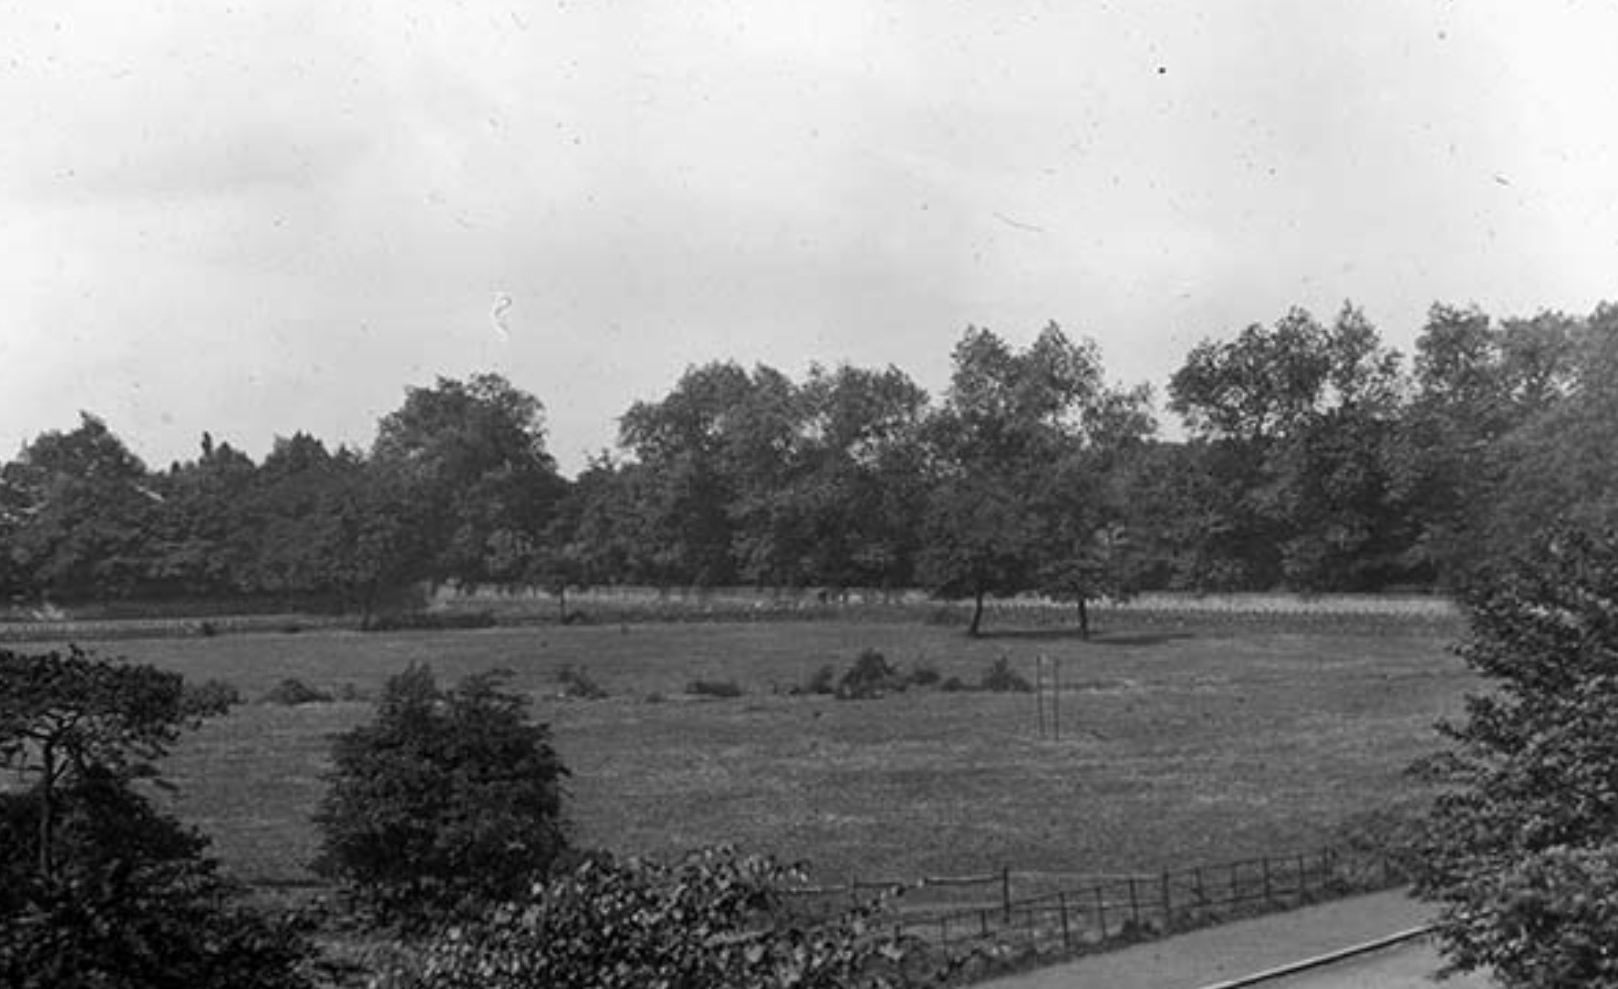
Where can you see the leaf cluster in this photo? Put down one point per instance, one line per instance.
(713, 918)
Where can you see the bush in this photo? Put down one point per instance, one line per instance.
(292, 692)
(1002, 679)
(954, 685)
(924, 676)
(711, 919)
(578, 684)
(871, 676)
(714, 688)
(448, 799)
(1520, 847)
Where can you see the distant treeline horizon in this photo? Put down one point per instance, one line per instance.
(1314, 458)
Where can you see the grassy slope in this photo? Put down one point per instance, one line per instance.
(1180, 747)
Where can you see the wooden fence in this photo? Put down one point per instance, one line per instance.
(1106, 908)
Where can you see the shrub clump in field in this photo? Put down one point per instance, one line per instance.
(870, 677)
(1000, 678)
(714, 688)
(577, 684)
(292, 692)
(954, 685)
(923, 675)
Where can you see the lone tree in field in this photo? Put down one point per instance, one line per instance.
(449, 798)
(1522, 848)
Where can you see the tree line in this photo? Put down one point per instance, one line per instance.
(1314, 458)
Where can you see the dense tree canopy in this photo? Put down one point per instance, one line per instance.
(1317, 460)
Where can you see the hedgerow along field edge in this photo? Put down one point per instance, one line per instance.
(1196, 744)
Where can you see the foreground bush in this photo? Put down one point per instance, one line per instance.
(98, 889)
(713, 918)
(1521, 847)
(449, 798)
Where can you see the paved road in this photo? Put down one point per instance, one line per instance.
(1215, 954)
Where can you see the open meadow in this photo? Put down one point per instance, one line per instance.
(1180, 745)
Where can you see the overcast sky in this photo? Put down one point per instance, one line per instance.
(267, 217)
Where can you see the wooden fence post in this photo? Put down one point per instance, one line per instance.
(1039, 691)
(1269, 890)
(1303, 880)
(1134, 903)
(1056, 696)
(1067, 938)
(983, 919)
(1168, 906)
(1005, 891)
(1202, 891)
(1101, 911)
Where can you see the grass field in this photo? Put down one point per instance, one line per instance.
(1180, 746)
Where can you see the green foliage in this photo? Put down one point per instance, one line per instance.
(291, 692)
(1522, 848)
(447, 798)
(723, 689)
(822, 681)
(713, 918)
(97, 888)
(1001, 678)
(577, 683)
(431, 621)
(869, 677)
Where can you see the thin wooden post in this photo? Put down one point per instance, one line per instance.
(1269, 890)
(983, 919)
(1101, 911)
(1234, 895)
(1039, 690)
(943, 929)
(1168, 905)
(1202, 891)
(1056, 695)
(1005, 891)
(1067, 937)
(1303, 881)
(1134, 903)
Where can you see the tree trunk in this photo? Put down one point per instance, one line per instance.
(977, 614)
(1084, 618)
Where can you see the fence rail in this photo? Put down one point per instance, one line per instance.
(1105, 907)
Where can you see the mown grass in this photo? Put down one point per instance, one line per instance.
(1179, 747)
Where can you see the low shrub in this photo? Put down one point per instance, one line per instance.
(1000, 678)
(578, 684)
(954, 685)
(922, 675)
(292, 692)
(714, 688)
(870, 677)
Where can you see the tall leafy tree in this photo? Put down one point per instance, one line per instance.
(81, 508)
(472, 455)
(1007, 420)
(1295, 423)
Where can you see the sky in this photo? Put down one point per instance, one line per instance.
(265, 217)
